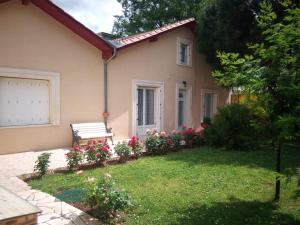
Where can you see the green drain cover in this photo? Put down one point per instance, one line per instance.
(72, 195)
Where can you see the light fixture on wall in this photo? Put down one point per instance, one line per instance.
(184, 83)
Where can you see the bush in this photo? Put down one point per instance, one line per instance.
(156, 143)
(136, 146)
(74, 158)
(176, 137)
(42, 163)
(189, 135)
(106, 200)
(123, 150)
(97, 152)
(234, 127)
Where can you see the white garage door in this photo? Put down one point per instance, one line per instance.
(24, 102)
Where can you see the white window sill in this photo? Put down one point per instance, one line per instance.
(29, 126)
(184, 65)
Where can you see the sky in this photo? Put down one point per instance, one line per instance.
(98, 15)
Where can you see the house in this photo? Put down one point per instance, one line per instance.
(54, 71)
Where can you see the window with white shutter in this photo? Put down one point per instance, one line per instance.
(28, 98)
(24, 102)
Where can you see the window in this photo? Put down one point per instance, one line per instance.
(209, 104)
(184, 52)
(146, 106)
(28, 98)
(181, 107)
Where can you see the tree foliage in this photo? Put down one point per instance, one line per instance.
(143, 15)
(271, 72)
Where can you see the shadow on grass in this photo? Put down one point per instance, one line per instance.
(235, 212)
(264, 158)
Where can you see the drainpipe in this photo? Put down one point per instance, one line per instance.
(105, 113)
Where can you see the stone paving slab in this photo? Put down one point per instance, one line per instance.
(54, 211)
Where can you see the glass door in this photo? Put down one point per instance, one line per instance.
(146, 110)
(181, 108)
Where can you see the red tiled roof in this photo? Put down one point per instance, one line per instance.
(130, 40)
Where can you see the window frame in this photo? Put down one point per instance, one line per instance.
(188, 104)
(189, 54)
(215, 101)
(159, 86)
(54, 91)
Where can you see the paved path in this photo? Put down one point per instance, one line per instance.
(54, 211)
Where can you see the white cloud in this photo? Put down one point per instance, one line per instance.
(98, 15)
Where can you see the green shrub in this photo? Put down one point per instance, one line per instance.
(42, 163)
(107, 201)
(97, 152)
(176, 137)
(123, 150)
(156, 143)
(74, 158)
(136, 146)
(234, 127)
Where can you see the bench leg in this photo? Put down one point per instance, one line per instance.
(111, 139)
(75, 141)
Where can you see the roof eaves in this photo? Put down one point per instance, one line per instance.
(137, 38)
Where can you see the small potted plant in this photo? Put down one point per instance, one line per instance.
(123, 150)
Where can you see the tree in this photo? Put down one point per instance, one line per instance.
(227, 25)
(271, 73)
(143, 15)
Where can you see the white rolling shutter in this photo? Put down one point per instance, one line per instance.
(24, 102)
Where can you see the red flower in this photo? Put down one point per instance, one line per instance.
(98, 155)
(77, 149)
(205, 125)
(105, 148)
(189, 131)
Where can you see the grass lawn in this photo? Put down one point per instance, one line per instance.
(203, 186)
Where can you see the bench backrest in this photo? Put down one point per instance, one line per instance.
(89, 128)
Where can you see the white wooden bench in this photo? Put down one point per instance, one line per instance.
(83, 131)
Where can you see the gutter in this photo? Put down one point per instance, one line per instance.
(106, 113)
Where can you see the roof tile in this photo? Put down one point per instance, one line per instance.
(122, 42)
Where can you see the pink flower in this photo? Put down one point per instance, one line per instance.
(77, 149)
(163, 134)
(174, 131)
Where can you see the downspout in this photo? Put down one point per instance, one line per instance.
(106, 113)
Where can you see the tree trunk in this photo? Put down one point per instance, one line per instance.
(278, 170)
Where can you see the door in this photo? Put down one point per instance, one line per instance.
(181, 119)
(147, 109)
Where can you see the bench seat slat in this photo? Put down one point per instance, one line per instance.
(90, 130)
(87, 136)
